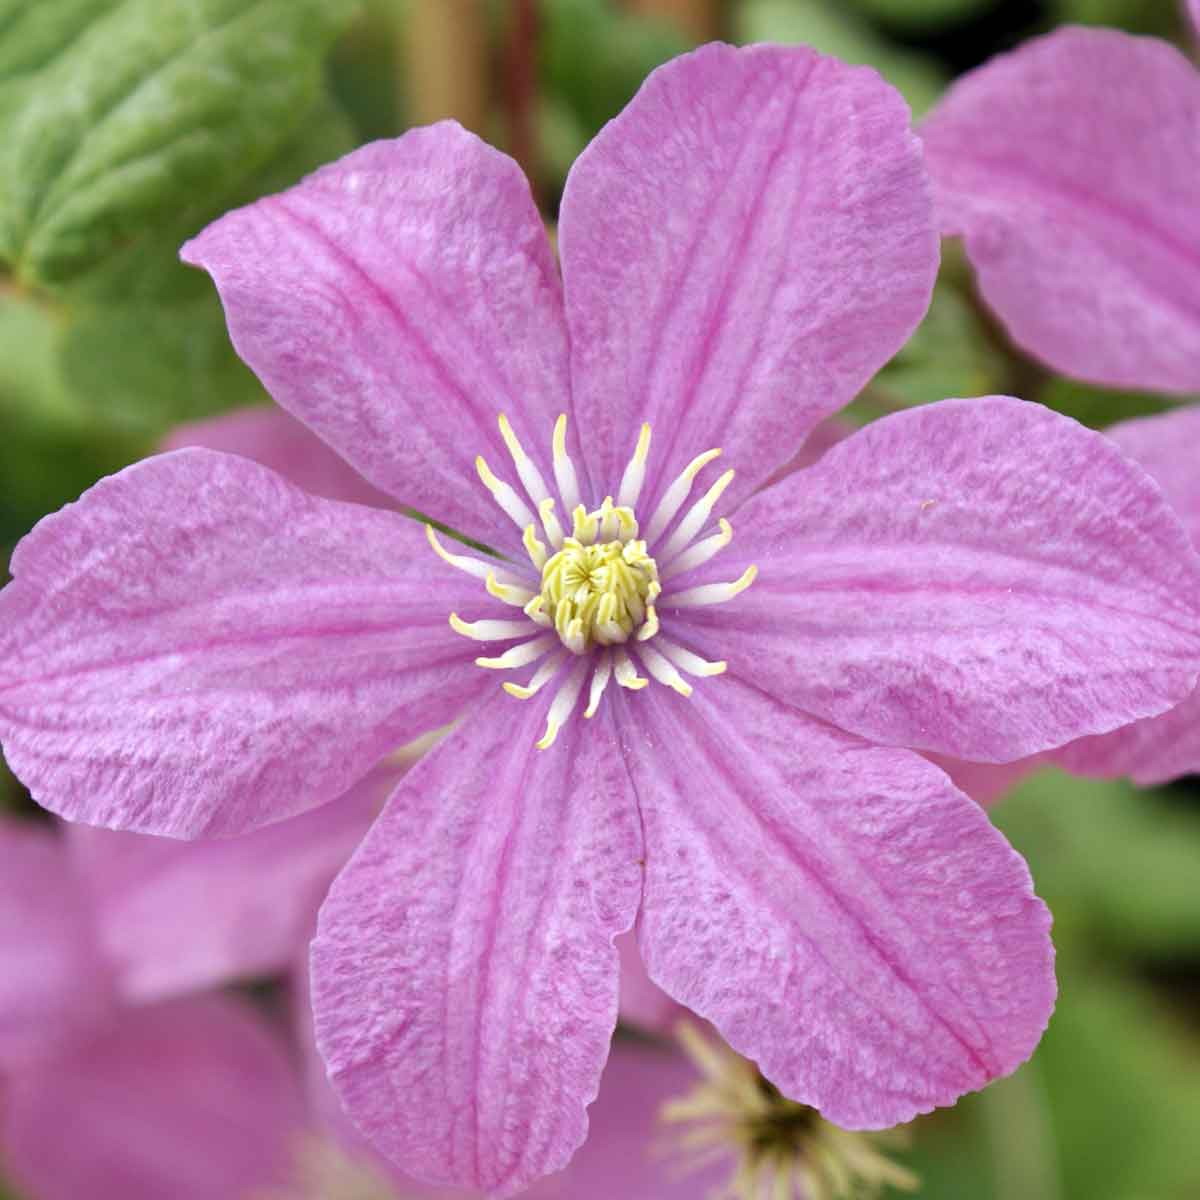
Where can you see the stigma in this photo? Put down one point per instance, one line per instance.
(589, 595)
(778, 1148)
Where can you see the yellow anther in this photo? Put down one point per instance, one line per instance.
(626, 672)
(510, 439)
(507, 592)
(535, 549)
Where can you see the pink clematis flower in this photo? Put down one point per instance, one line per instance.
(192, 1097)
(1070, 168)
(200, 647)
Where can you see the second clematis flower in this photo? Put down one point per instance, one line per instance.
(712, 706)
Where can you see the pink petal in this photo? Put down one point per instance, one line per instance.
(987, 783)
(247, 905)
(197, 647)
(1149, 752)
(54, 982)
(642, 1002)
(981, 578)
(1168, 446)
(464, 976)
(277, 440)
(742, 248)
(628, 1152)
(1164, 747)
(1193, 10)
(844, 916)
(395, 301)
(192, 1100)
(1071, 168)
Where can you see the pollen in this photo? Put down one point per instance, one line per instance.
(592, 590)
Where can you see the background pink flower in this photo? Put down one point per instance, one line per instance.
(1070, 167)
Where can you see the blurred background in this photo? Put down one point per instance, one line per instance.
(108, 345)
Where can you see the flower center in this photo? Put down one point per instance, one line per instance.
(599, 592)
(595, 593)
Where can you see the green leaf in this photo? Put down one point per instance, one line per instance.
(117, 115)
(832, 30)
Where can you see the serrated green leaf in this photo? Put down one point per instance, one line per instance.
(832, 30)
(154, 107)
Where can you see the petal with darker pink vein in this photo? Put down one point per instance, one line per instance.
(395, 301)
(980, 578)
(1071, 168)
(843, 915)
(742, 248)
(464, 974)
(198, 647)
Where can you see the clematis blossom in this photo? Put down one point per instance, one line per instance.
(687, 702)
(1070, 168)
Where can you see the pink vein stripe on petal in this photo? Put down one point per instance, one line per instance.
(275, 439)
(843, 915)
(979, 578)
(54, 982)
(1071, 168)
(248, 904)
(464, 976)
(194, 1100)
(742, 248)
(198, 647)
(395, 301)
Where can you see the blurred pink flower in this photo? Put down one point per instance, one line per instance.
(200, 647)
(1158, 748)
(1070, 167)
(192, 1097)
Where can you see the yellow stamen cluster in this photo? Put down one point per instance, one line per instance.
(589, 607)
(780, 1149)
(599, 592)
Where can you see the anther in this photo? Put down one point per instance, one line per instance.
(635, 473)
(564, 468)
(696, 518)
(712, 593)
(531, 478)
(504, 495)
(519, 656)
(676, 494)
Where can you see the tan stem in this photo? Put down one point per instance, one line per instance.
(699, 19)
(446, 62)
